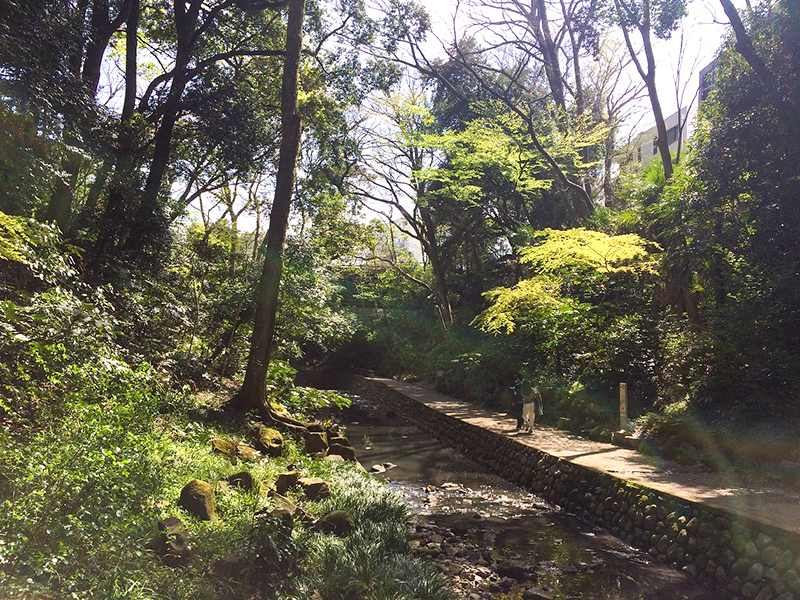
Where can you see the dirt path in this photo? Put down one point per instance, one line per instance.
(771, 503)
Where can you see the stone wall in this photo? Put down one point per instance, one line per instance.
(739, 556)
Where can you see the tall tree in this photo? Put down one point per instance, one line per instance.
(211, 54)
(650, 18)
(730, 222)
(609, 97)
(252, 394)
(394, 182)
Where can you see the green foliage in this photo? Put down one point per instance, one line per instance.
(375, 560)
(311, 323)
(27, 163)
(303, 400)
(570, 268)
(95, 450)
(560, 251)
(493, 147)
(725, 221)
(663, 16)
(526, 299)
(78, 454)
(14, 239)
(38, 247)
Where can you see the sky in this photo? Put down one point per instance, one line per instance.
(703, 29)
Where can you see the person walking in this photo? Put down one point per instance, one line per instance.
(528, 395)
(517, 406)
(531, 401)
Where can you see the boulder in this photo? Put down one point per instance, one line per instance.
(286, 481)
(315, 442)
(515, 569)
(315, 489)
(267, 440)
(346, 452)
(535, 594)
(339, 522)
(334, 458)
(245, 452)
(171, 545)
(197, 498)
(284, 514)
(224, 447)
(243, 480)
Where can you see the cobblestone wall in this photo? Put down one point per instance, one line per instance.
(747, 559)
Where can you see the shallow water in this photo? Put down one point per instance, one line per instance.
(444, 488)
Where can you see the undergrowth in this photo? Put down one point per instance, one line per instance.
(96, 445)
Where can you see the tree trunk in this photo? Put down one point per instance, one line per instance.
(234, 243)
(608, 158)
(744, 46)
(96, 46)
(253, 391)
(649, 78)
(552, 67)
(131, 50)
(62, 199)
(101, 30)
(658, 115)
(122, 183)
(432, 250)
(185, 26)
(59, 207)
(163, 142)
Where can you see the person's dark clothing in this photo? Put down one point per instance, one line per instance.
(516, 408)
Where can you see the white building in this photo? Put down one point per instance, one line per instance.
(644, 146)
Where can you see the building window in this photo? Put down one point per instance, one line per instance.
(655, 146)
(708, 79)
(639, 154)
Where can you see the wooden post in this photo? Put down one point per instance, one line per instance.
(623, 405)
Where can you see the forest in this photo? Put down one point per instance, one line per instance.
(212, 211)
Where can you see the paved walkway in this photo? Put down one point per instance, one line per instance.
(773, 504)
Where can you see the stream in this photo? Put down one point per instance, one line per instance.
(494, 539)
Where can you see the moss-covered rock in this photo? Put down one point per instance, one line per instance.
(224, 447)
(286, 481)
(315, 489)
(316, 442)
(346, 452)
(338, 522)
(171, 545)
(267, 440)
(197, 498)
(243, 480)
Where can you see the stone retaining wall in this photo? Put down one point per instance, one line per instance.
(745, 558)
